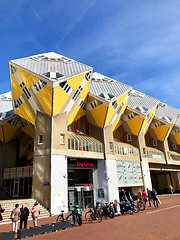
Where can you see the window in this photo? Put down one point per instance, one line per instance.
(120, 134)
(154, 142)
(111, 146)
(77, 93)
(40, 84)
(96, 103)
(114, 104)
(40, 139)
(65, 86)
(81, 126)
(62, 138)
(18, 102)
(174, 146)
(129, 137)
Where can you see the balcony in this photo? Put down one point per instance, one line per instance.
(84, 143)
(174, 156)
(155, 154)
(125, 149)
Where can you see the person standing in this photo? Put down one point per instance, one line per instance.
(1, 211)
(15, 215)
(149, 196)
(139, 194)
(144, 196)
(35, 213)
(154, 198)
(24, 216)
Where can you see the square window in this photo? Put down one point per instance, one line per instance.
(62, 136)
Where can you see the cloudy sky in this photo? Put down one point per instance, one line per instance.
(136, 42)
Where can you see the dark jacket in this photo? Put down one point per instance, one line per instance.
(153, 195)
(149, 194)
(24, 213)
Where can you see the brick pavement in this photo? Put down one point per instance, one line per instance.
(163, 223)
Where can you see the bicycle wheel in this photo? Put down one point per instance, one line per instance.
(72, 219)
(141, 206)
(88, 216)
(60, 218)
(99, 217)
(136, 210)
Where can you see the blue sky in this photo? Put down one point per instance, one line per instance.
(136, 42)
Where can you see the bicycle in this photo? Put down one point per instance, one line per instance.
(71, 217)
(141, 205)
(93, 215)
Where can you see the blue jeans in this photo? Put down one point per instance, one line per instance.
(35, 221)
(155, 202)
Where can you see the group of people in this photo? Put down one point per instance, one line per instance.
(22, 214)
(150, 196)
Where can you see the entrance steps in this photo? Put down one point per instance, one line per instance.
(9, 205)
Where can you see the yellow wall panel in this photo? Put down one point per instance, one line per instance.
(24, 112)
(76, 114)
(99, 115)
(161, 132)
(45, 99)
(121, 99)
(17, 91)
(177, 137)
(76, 81)
(85, 91)
(29, 130)
(110, 114)
(1, 134)
(59, 99)
(27, 78)
(135, 125)
(9, 131)
(116, 125)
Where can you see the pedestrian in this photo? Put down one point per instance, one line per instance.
(149, 196)
(35, 213)
(1, 211)
(24, 216)
(154, 198)
(15, 215)
(139, 194)
(144, 196)
(171, 189)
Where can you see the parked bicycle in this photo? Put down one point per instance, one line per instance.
(94, 215)
(140, 204)
(71, 218)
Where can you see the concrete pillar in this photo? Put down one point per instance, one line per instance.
(100, 182)
(112, 182)
(59, 184)
(146, 175)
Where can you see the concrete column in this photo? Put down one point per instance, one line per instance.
(146, 175)
(100, 182)
(112, 182)
(59, 184)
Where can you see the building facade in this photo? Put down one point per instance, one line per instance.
(71, 135)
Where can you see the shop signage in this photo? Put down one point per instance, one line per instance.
(88, 185)
(81, 163)
(100, 193)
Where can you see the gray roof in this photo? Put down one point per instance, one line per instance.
(141, 102)
(166, 113)
(178, 121)
(6, 109)
(53, 65)
(107, 88)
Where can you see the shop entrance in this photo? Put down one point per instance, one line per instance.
(80, 188)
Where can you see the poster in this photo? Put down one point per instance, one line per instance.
(129, 166)
(101, 193)
(120, 176)
(119, 165)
